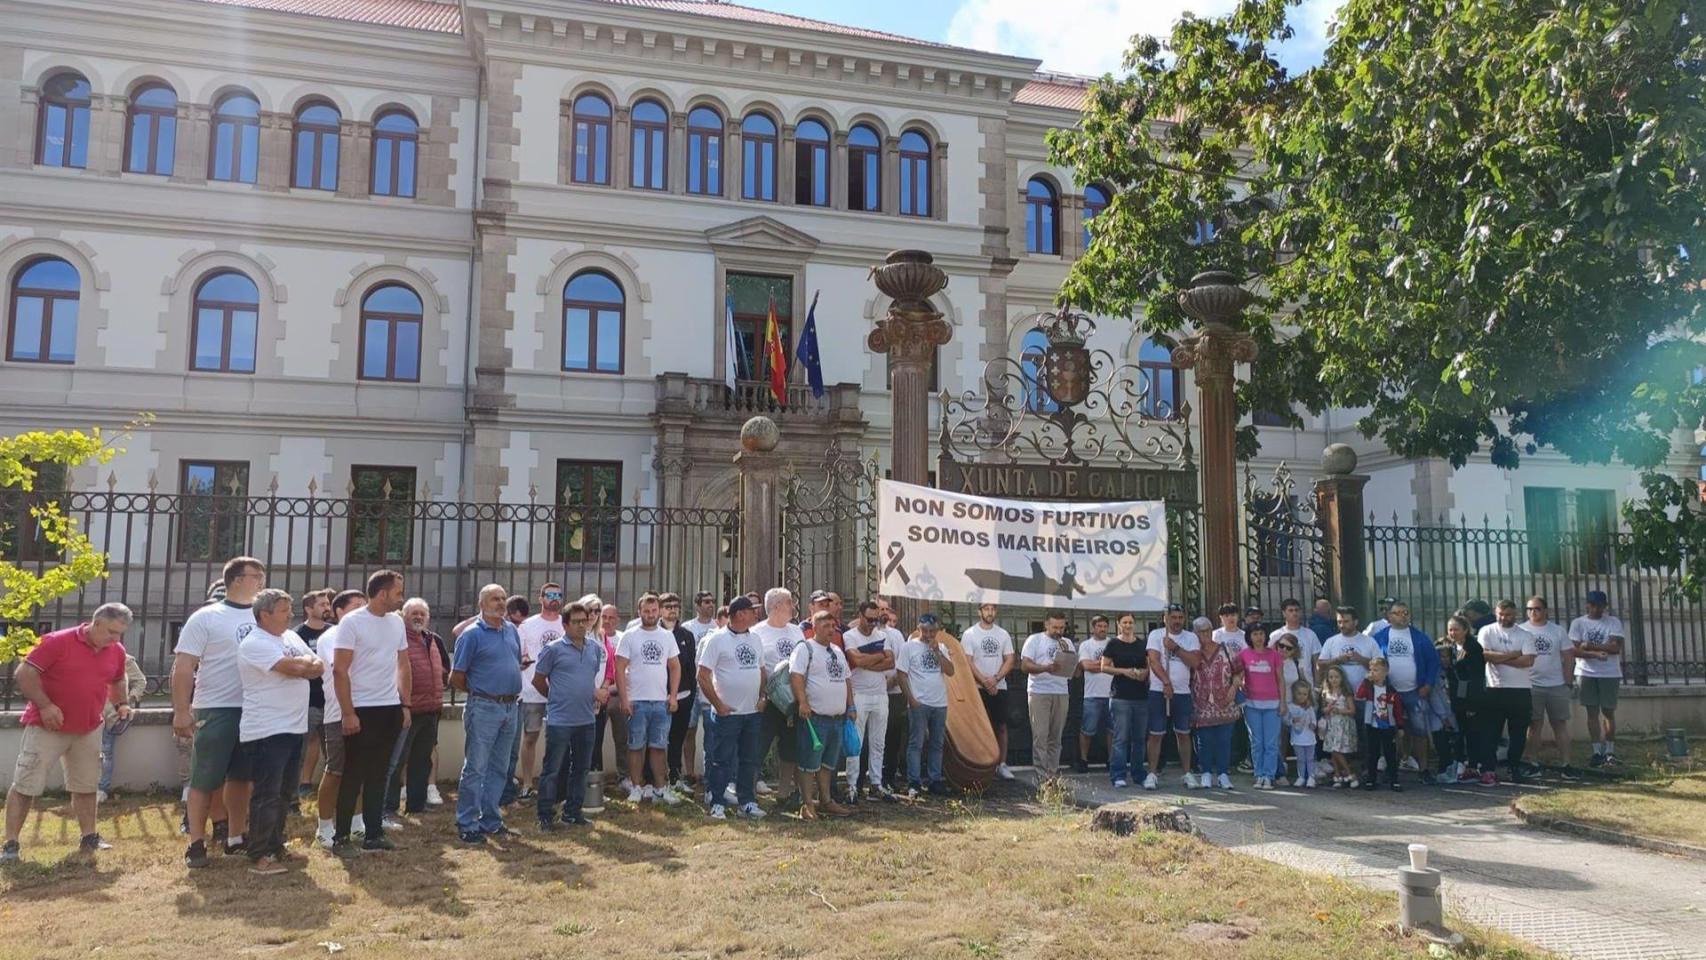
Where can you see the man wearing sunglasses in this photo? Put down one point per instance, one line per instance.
(1305, 644)
(536, 631)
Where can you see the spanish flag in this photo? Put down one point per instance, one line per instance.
(776, 357)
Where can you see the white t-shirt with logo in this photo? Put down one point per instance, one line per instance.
(897, 640)
(869, 683)
(699, 630)
(779, 642)
(1095, 684)
(1400, 659)
(1497, 639)
(212, 634)
(1588, 630)
(272, 702)
(1042, 648)
(1338, 645)
(375, 642)
(1177, 670)
(648, 653)
(987, 647)
(923, 668)
(736, 662)
(1232, 640)
(1549, 643)
(324, 648)
(1308, 648)
(536, 632)
(826, 673)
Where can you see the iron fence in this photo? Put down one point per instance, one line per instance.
(1436, 569)
(164, 550)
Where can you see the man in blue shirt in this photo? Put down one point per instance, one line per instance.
(486, 665)
(570, 673)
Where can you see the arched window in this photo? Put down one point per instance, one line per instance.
(811, 164)
(1161, 380)
(62, 125)
(1032, 349)
(44, 312)
(395, 139)
(1095, 201)
(914, 174)
(593, 314)
(227, 305)
(151, 136)
(391, 334)
(236, 139)
(589, 141)
(1042, 217)
(705, 152)
(758, 157)
(650, 169)
(864, 169)
(1202, 232)
(314, 158)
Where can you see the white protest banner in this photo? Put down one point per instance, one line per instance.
(937, 545)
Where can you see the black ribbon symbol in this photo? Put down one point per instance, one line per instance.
(896, 553)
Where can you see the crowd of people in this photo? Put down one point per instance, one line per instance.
(852, 709)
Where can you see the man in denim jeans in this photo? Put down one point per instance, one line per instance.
(648, 677)
(487, 666)
(731, 681)
(570, 674)
(921, 665)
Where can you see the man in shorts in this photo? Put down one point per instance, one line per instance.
(1173, 653)
(1553, 677)
(648, 681)
(1596, 641)
(989, 650)
(69, 678)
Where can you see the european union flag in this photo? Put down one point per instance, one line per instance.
(807, 351)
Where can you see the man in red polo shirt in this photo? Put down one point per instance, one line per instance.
(69, 678)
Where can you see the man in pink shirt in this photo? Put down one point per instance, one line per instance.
(69, 679)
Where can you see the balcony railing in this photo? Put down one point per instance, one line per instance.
(708, 397)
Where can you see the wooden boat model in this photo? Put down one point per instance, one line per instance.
(971, 755)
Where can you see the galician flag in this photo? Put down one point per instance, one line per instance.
(807, 352)
(776, 356)
(731, 349)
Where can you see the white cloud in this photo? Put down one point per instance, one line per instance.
(1090, 36)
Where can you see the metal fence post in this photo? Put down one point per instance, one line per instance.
(1338, 510)
(760, 504)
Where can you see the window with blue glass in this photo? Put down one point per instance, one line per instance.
(758, 157)
(864, 169)
(1032, 351)
(62, 122)
(650, 161)
(589, 141)
(811, 164)
(151, 136)
(44, 312)
(914, 174)
(314, 156)
(1042, 217)
(705, 152)
(1161, 380)
(593, 317)
(395, 140)
(236, 139)
(1095, 201)
(391, 334)
(222, 338)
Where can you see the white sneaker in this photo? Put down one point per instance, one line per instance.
(1150, 783)
(323, 837)
(649, 793)
(434, 799)
(1190, 781)
(391, 823)
(626, 784)
(635, 794)
(718, 813)
(1003, 772)
(762, 789)
(1310, 783)
(100, 796)
(1120, 784)
(1410, 764)
(1381, 766)
(668, 796)
(752, 811)
(358, 827)
(1225, 782)
(729, 797)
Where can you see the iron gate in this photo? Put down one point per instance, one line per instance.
(829, 527)
(1285, 554)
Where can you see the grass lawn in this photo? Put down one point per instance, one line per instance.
(1651, 799)
(989, 878)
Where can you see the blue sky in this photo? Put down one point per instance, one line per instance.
(1075, 36)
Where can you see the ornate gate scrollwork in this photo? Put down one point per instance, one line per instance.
(829, 526)
(1285, 554)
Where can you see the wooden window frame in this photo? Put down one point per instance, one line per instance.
(50, 299)
(856, 157)
(593, 307)
(226, 321)
(218, 551)
(237, 126)
(805, 180)
(1034, 209)
(1094, 210)
(319, 132)
(920, 162)
(704, 144)
(610, 548)
(761, 143)
(1150, 369)
(392, 321)
(642, 132)
(576, 118)
(156, 116)
(756, 371)
(396, 139)
(70, 108)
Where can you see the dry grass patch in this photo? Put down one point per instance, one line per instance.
(1652, 798)
(971, 879)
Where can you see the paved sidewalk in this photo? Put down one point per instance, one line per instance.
(1574, 897)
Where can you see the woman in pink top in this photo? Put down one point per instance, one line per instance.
(1262, 682)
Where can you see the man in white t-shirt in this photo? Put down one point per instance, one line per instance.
(990, 655)
(823, 691)
(1050, 661)
(1098, 686)
(536, 631)
(207, 705)
(1306, 645)
(1173, 653)
(371, 679)
(922, 664)
(1597, 643)
(779, 635)
(871, 650)
(731, 680)
(275, 666)
(1553, 679)
(1508, 704)
(1350, 650)
(648, 675)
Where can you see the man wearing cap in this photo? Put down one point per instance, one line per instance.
(922, 664)
(1381, 622)
(731, 680)
(1597, 641)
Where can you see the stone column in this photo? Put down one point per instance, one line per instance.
(733, 153)
(910, 334)
(621, 149)
(1339, 512)
(108, 114)
(189, 163)
(760, 504)
(785, 147)
(354, 144)
(676, 182)
(1215, 300)
(890, 162)
(838, 170)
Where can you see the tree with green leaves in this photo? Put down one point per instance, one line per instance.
(1476, 221)
(25, 591)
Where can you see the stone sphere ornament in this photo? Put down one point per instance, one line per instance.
(760, 435)
(1338, 460)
